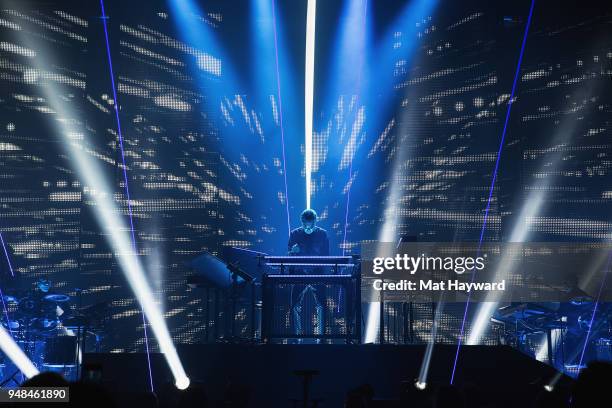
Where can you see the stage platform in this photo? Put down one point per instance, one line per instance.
(267, 371)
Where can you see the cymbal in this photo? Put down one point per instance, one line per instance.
(10, 299)
(56, 297)
(11, 324)
(43, 326)
(76, 321)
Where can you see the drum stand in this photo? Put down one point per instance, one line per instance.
(80, 339)
(235, 273)
(11, 378)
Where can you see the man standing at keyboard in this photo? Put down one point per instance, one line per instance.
(308, 240)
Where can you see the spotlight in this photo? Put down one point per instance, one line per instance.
(532, 207)
(414, 11)
(549, 388)
(372, 322)
(92, 175)
(182, 383)
(424, 372)
(420, 385)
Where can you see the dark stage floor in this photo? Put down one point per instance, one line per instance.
(266, 372)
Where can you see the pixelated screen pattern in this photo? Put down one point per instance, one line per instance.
(422, 168)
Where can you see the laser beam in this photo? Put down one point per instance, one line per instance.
(8, 259)
(493, 179)
(125, 179)
(280, 112)
(133, 269)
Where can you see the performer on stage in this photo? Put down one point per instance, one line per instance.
(308, 240)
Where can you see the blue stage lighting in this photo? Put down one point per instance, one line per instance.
(493, 180)
(398, 43)
(348, 74)
(269, 57)
(210, 61)
(408, 24)
(125, 177)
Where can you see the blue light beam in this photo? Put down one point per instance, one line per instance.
(125, 179)
(494, 178)
(159, 328)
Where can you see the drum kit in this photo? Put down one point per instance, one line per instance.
(561, 327)
(50, 331)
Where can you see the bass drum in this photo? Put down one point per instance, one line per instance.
(61, 356)
(61, 351)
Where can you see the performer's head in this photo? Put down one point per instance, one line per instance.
(43, 285)
(309, 219)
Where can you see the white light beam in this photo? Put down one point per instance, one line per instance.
(309, 92)
(15, 354)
